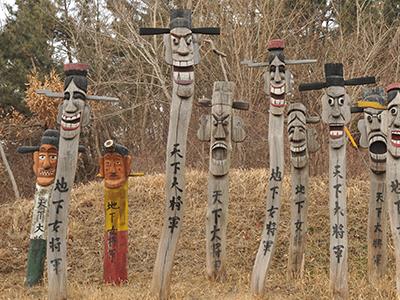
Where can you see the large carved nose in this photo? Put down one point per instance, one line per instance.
(70, 107)
(397, 120)
(220, 132)
(335, 112)
(183, 48)
(375, 125)
(277, 75)
(297, 135)
(46, 162)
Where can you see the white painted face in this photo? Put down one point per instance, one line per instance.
(373, 137)
(181, 49)
(275, 85)
(73, 112)
(297, 132)
(336, 113)
(393, 126)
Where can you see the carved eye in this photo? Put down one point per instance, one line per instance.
(369, 118)
(53, 157)
(393, 111)
(66, 96)
(331, 102)
(272, 69)
(282, 69)
(379, 117)
(188, 40)
(118, 163)
(42, 157)
(175, 41)
(341, 101)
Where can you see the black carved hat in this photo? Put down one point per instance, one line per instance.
(50, 137)
(110, 146)
(181, 18)
(77, 72)
(334, 77)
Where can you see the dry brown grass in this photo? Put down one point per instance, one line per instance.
(146, 205)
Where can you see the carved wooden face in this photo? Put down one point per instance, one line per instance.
(373, 137)
(73, 112)
(297, 131)
(275, 79)
(115, 169)
(221, 128)
(336, 113)
(182, 54)
(393, 126)
(45, 164)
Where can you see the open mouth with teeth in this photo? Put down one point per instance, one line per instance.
(395, 137)
(47, 173)
(183, 72)
(336, 131)
(377, 148)
(278, 95)
(298, 149)
(70, 122)
(219, 152)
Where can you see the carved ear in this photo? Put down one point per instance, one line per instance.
(128, 164)
(60, 109)
(204, 131)
(167, 48)
(101, 164)
(289, 81)
(35, 162)
(196, 51)
(362, 128)
(312, 142)
(238, 132)
(86, 115)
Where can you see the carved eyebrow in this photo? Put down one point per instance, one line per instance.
(341, 95)
(296, 118)
(180, 36)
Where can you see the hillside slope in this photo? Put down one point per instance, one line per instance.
(146, 209)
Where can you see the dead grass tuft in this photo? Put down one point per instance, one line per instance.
(146, 207)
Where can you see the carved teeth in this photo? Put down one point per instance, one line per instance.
(395, 137)
(183, 78)
(277, 102)
(278, 90)
(183, 63)
(298, 148)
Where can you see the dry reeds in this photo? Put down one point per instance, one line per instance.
(146, 211)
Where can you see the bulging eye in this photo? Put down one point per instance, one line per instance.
(369, 118)
(66, 96)
(379, 118)
(331, 102)
(393, 111)
(42, 157)
(341, 101)
(53, 157)
(175, 40)
(189, 40)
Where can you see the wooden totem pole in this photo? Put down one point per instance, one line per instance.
(278, 82)
(74, 113)
(221, 128)
(44, 167)
(115, 166)
(303, 140)
(391, 118)
(373, 138)
(336, 113)
(182, 53)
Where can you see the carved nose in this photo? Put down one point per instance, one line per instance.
(335, 112)
(46, 163)
(70, 107)
(297, 135)
(277, 75)
(183, 49)
(220, 132)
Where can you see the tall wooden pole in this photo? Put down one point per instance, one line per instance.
(392, 121)
(336, 113)
(220, 129)
(44, 166)
(302, 142)
(74, 114)
(181, 52)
